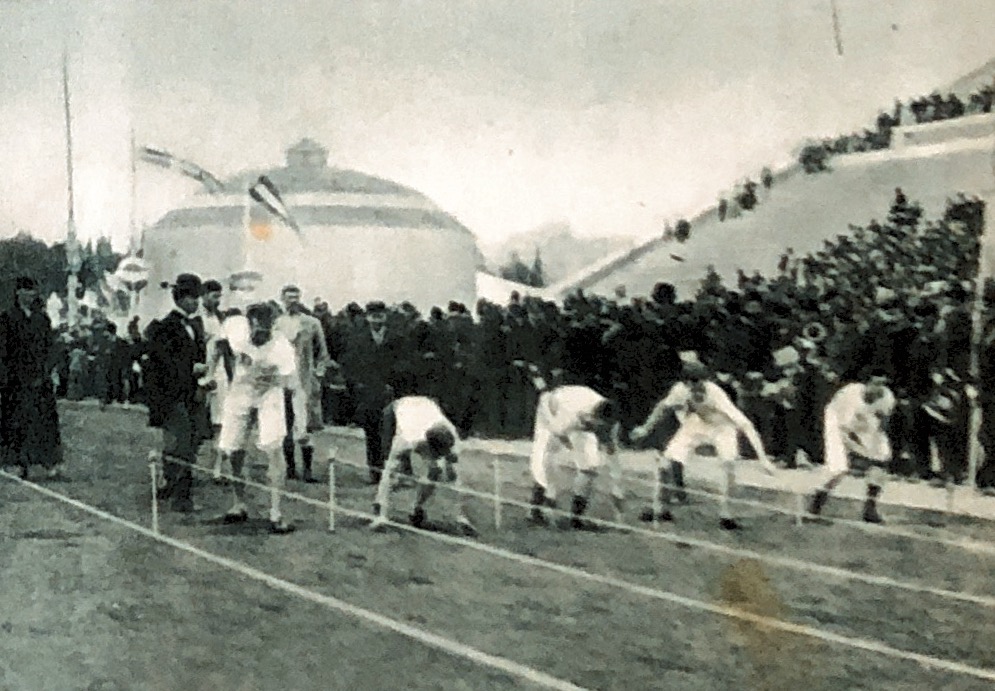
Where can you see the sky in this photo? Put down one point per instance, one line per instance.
(614, 116)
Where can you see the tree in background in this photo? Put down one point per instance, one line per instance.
(517, 270)
(538, 272)
(24, 255)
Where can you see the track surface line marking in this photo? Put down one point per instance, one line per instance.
(426, 637)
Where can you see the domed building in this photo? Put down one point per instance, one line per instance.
(361, 238)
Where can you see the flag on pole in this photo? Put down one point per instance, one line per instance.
(265, 193)
(164, 159)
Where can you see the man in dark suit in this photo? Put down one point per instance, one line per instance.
(29, 420)
(368, 365)
(177, 355)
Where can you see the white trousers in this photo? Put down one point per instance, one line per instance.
(585, 457)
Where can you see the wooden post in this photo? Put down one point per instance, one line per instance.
(154, 472)
(497, 493)
(331, 494)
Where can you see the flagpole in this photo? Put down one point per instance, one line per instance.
(246, 231)
(975, 450)
(132, 230)
(837, 34)
(72, 244)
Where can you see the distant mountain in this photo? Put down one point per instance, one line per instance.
(563, 252)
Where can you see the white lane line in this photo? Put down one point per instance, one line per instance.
(865, 644)
(426, 637)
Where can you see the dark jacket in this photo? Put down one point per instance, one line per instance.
(172, 354)
(29, 420)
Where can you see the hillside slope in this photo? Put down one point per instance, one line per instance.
(801, 212)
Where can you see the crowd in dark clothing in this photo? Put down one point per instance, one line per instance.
(933, 108)
(890, 298)
(95, 361)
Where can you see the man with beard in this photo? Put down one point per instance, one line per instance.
(29, 420)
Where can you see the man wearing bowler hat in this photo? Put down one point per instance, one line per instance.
(177, 356)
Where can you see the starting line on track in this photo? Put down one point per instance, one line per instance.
(502, 664)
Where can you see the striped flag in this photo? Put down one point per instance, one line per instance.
(164, 159)
(265, 193)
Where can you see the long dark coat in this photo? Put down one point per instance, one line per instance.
(29, 420)
(169, 378)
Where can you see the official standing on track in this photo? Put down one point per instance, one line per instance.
(369, 365)
(176, 363)
(707, 417)
(856, 438)
(421, 436)
(302, 401)
(216, 378)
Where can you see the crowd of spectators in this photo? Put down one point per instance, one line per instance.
(745, 196)
(933, 108)
(891, 298)
(95, 361)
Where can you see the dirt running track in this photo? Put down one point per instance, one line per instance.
(86, 604)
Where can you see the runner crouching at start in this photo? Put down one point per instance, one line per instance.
(581, 421)
(421, 438)
(706, 417)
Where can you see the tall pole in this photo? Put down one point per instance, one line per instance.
(72, 244)
(986, 270)
(837, 34)
(133, 245)
(974, 449)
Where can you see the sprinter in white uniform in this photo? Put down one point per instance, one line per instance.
(580, 422)
(264, 366)
(856, 438)
(707, 417)
(423, 438)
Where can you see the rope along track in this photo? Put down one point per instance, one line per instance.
(857, 643)
(426, 637)
(740, 553)
(343, 433)
(964, 543)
